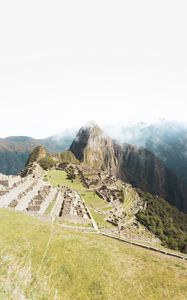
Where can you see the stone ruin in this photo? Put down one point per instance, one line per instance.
(73, 207)
(33, 195)
(8, 182)
(32, 169)
(63, 166)
(23, 193)
(115, 197)
(28, 194)
(101, 182)
(36, 202)
(111, 194)
(90, 178)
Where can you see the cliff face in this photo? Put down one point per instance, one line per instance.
(135, 165)
(167, 140)
(94, 148)
(144, 170)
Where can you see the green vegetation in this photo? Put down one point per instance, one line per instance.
(42, 261)
(56, 177)
(165, 221)
(99, 218)
(64, 221)
(47, 162)
(36, 153)
(50, 207)
(71, 174)
(68, 157)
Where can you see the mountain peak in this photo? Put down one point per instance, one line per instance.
(90, 135)
(90, 124)
(37, 153)
(91, 127)
(93, 147)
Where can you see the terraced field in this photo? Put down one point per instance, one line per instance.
(130, 199)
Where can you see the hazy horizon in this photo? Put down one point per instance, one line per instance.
(64, 64)
(113, 129)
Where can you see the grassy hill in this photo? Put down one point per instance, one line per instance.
(40, 260)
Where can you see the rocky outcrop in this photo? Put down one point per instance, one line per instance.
(32, 166)
(94, 148)
(37, 154)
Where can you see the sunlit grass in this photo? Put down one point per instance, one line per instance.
(50, 207)
(43, 261)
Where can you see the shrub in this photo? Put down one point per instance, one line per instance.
(47, 162)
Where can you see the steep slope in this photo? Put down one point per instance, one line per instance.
(35, 157)
(14, 152)
(37, 154)
(67, 157)
(94, 148)
(165, 221)
(167, 140)
(143, 169)
(131, 164)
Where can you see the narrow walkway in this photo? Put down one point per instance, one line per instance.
(55, 212)
(166, 252)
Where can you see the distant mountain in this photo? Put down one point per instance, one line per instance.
(167, 140)
(14, 151)
(137, 166)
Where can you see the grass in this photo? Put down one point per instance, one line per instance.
(64, 221)
(43, 261)
(50, 207)
(56, 177)
(99, 219)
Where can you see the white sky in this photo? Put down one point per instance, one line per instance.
(63, 63)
